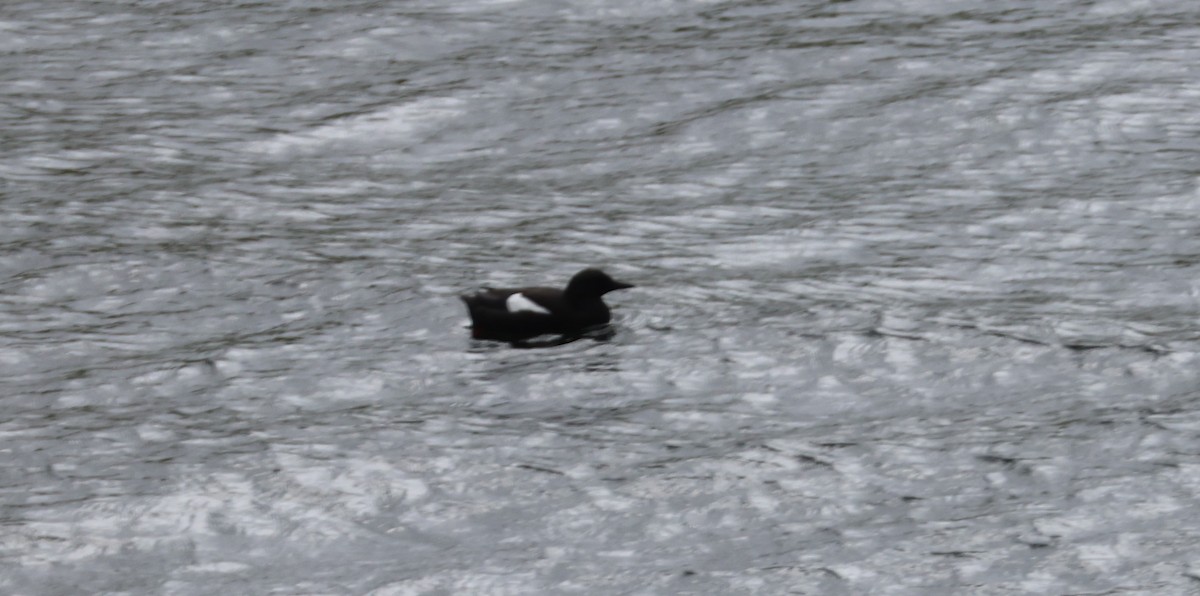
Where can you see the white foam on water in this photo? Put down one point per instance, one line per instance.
(388, 128)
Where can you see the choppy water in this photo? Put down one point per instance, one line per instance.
(917, 307)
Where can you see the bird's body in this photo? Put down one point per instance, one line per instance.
(514, 314)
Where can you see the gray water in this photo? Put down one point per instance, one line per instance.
(918, 306)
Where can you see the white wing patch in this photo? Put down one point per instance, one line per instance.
(519, 303)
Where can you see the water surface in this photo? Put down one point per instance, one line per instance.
(917, 306)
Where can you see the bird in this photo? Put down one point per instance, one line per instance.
(518, 314)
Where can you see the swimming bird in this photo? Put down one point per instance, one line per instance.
(515, 314)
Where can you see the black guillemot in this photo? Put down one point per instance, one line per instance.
(517, 314)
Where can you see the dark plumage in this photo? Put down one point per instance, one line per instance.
(515, 314)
